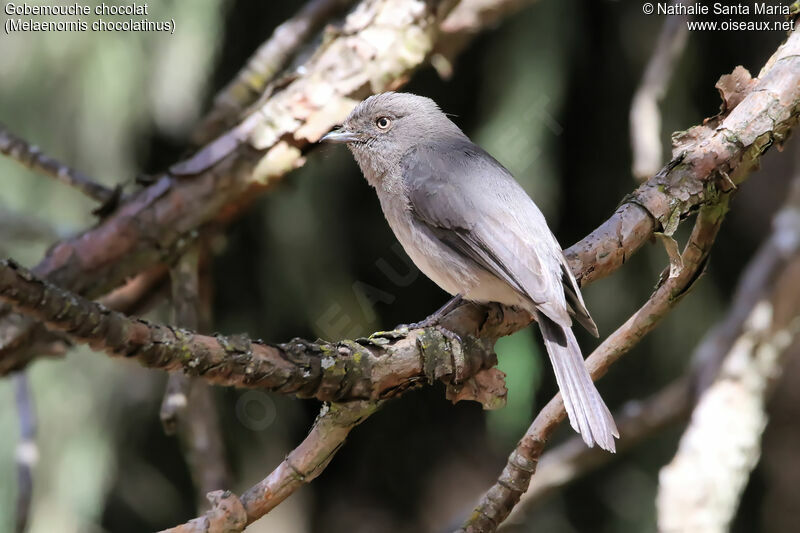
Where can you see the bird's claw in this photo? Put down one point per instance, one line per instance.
(448, 334)
(431, 321)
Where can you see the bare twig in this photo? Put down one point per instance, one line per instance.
(645, 116)
(267, 61)
(500, 499)
(637, 420)
(188, 406)
(700, 489)
(204, 447)
(23, 227)
(184, 277)
(27, 450)
(30, 156)
(301, 466)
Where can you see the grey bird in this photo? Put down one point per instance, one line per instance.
(472, 229)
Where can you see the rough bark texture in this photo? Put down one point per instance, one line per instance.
(380, 366)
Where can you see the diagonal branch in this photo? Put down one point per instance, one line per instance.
(264, 65)
(637, 421)
(230, 514)
(30, 156)
(495, 506)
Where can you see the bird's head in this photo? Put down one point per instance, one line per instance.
(381, 129)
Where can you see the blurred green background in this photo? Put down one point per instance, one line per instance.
(547, 93)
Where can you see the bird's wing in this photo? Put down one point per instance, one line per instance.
(474, 205)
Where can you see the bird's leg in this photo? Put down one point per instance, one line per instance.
(435, 318)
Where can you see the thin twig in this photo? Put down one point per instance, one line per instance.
(495, 506)
(188, 407)
(301, 466)
(27, 450)
(184, 277)
(204, 447)
(637, 421)
(645, 116)
(30, 156)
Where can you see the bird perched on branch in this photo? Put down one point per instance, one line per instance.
(471, 228)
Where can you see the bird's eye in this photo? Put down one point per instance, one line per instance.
(383, 123)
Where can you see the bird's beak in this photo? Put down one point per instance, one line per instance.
(340, 136)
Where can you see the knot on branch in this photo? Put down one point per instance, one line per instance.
(227, 515)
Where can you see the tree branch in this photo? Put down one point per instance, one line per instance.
(188, 407)
(265, 64)
(30, 156)
(645, 117)
(637, 420)
(185, 283)
(301, 466)
(495, 506)
(379, 45)
(381, 366)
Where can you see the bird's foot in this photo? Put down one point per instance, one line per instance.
(429, 322)
(449, 335)
(436, 317)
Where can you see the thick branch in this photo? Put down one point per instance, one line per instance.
(377, 367)
(265, 64)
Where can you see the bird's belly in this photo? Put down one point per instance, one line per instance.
(452, 272)
(441, 265)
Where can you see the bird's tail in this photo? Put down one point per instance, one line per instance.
(588, 414)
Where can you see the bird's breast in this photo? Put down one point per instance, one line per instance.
(431, 256)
